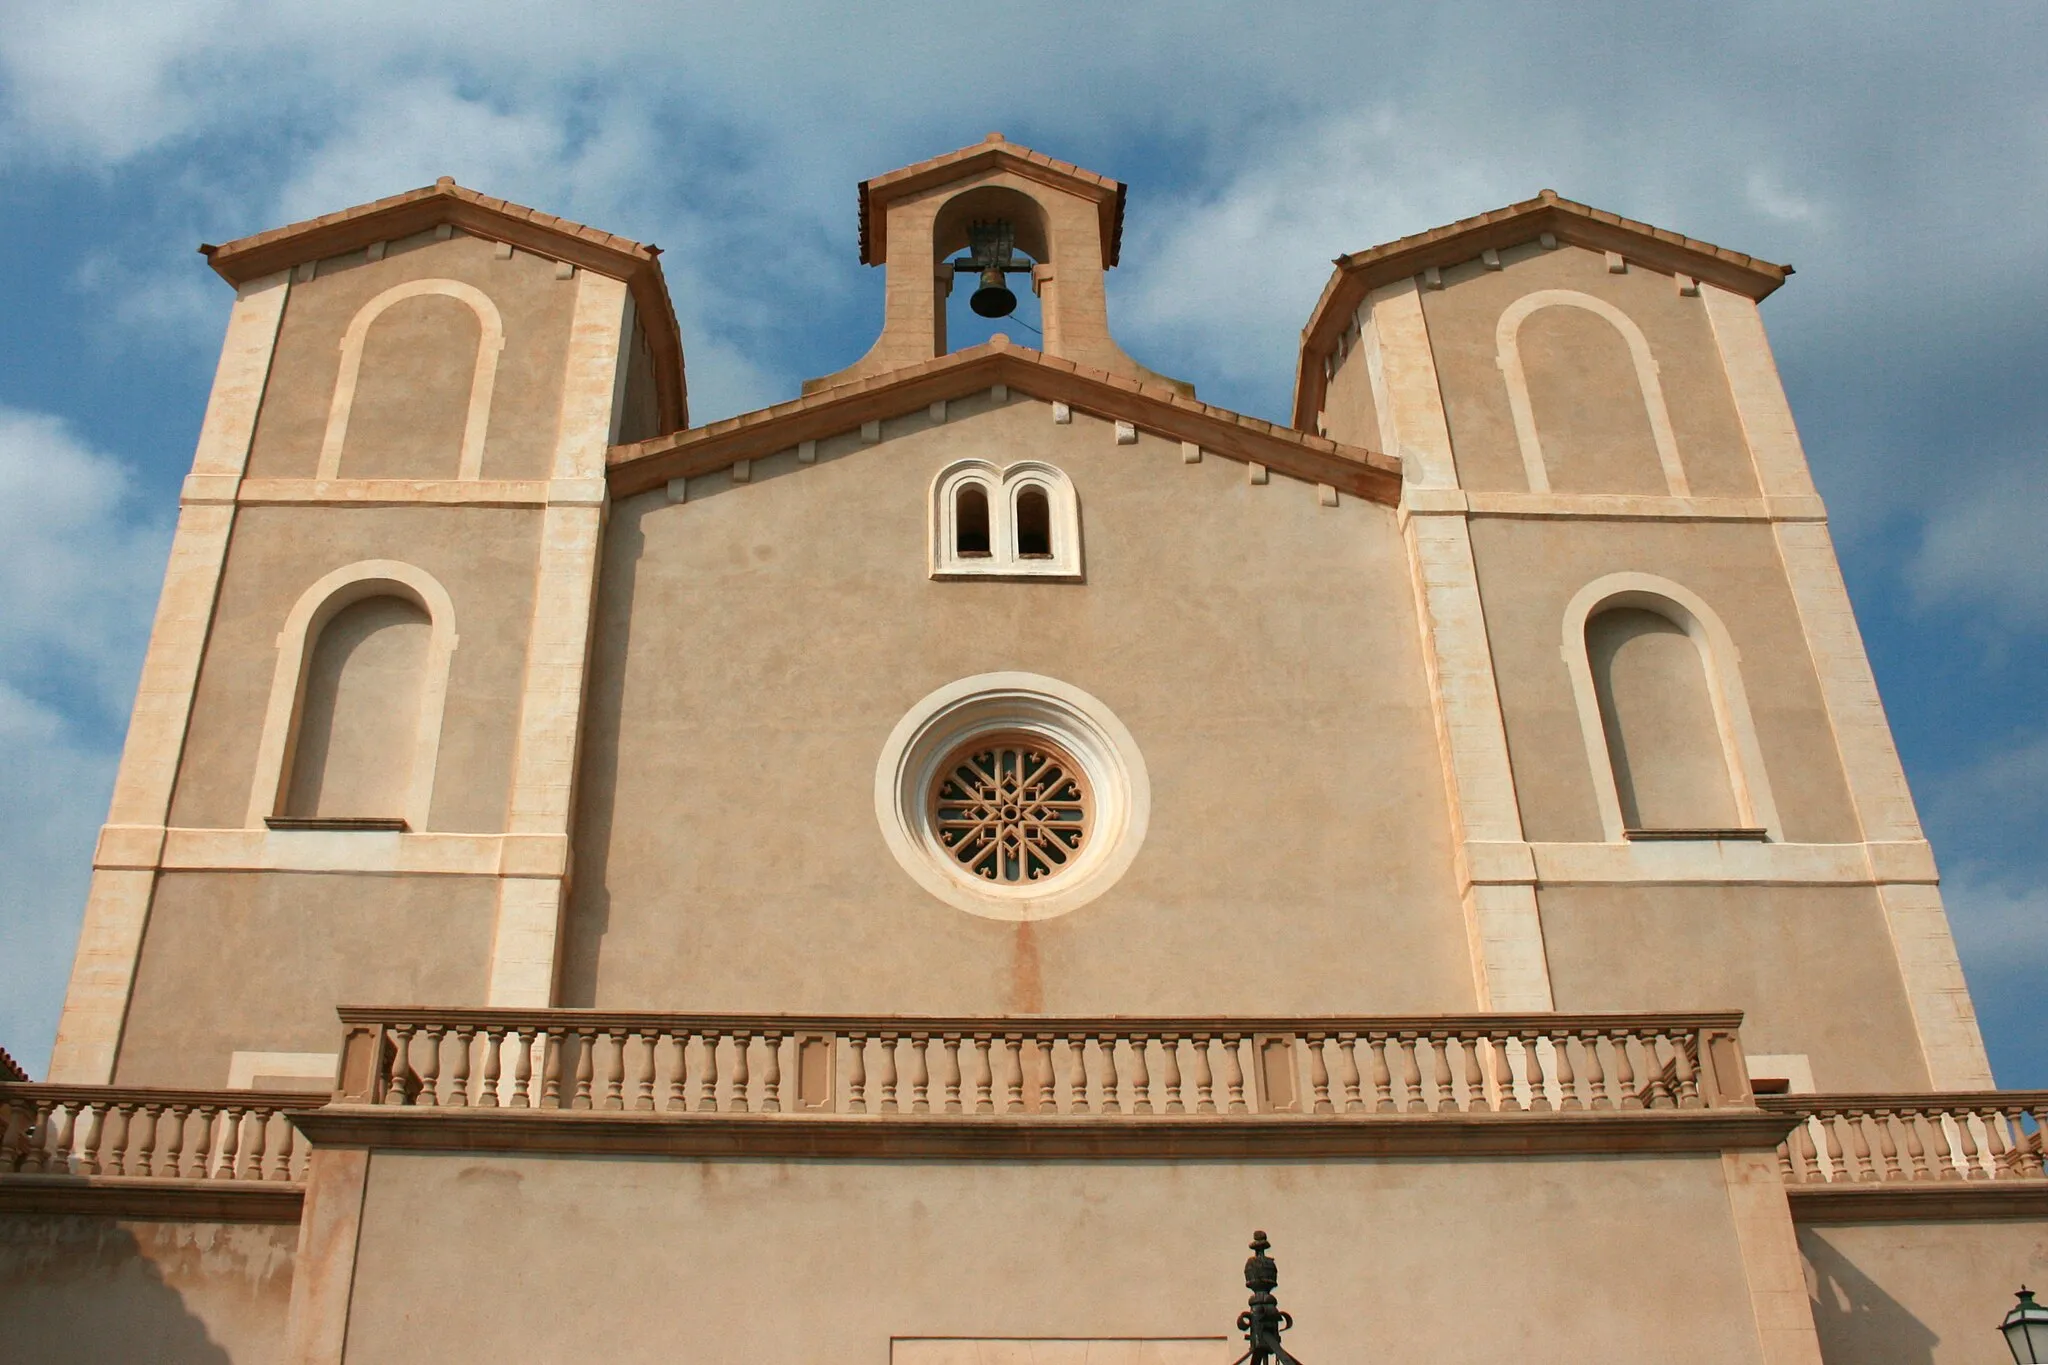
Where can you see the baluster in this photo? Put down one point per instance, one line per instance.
(1205, 1079)
(1440, 1051)
(259, 1134)
(551, 1069)
(87, 1161)
(1169, 1073)
(1077, 1073)
(1967, 1141)
(1376, 1045)
(145, 1122)
(113, 1153)
(1624, 1074)
(1785, 1171)
(1805, 1160)
(856, 1073)
(1596, 1080)
(1347, 1072)
(2021, 1159)
(1887, 1148)
(430, 1071)
(1561, 1072)
(61, 1156)
(522, 1067)
(1997, 1149)
(1475, 1073)
(1410, 1047)
(281, 1153)
(1838, 1165)
(643, 1075)
(771, 1072)
(1532, 1072)
(885, 1073)
(949, 1072)
(1140, 1075)
(921, 1072)
(676, 1098)
(230, 1142)
(2030, 1162)
(1319, 1074)
(199, 1161)
(22, 1120)
(1233, 1074)
(919, 1077)
(33, 1148)
(1661, 1094)
(398, 1087)
(458, 1074)
(1915, 1158)
(614, 1069)
(1112, 1085)
(1685, 1050)
(586, 1067)
(1009, 1062)
(1048, 1079)
(1941, 1154)
(984, 1078)
(1504, 1075)
(742, 1076)
(1859, 1147)
(494, 1042)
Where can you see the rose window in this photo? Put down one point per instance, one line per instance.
(1012, 809)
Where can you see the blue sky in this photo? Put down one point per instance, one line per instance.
(1897, 155)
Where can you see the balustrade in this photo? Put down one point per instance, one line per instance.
(1119, 1067)
(1889, 1139)
(109, 1131)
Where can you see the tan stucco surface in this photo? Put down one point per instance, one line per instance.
(484, 557)
(399, 395)
(1921, 1293)
(1811, 967)
(825, 1261)
(1528, 573)
(759, 642)
(85, 1288)
(1584, 390)
(258, 961)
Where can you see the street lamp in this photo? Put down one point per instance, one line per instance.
(2026, 1330)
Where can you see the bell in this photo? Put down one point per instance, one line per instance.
(993, 299)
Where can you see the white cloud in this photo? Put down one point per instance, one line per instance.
(78, 578)
(1986, 544)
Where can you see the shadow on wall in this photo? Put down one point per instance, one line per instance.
(1857, 1321)
(84, 1288)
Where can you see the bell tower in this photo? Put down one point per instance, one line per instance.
(1014, 207)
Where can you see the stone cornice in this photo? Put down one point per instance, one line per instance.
(1940, 1201)
(1360, 272)
(952, 1137)
(184, 1201)
(1156, 408)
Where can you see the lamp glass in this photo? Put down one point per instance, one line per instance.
(2026, 1330)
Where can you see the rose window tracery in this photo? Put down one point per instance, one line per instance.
(1012, 809)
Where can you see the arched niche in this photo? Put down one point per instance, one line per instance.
(1670, 742)
(483, 371)
(1508, 355)
(342, 642)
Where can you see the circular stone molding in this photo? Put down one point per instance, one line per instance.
(1006, 706)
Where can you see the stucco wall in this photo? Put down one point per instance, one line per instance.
(1528, 573)
(1928, 1293)
(484, 557)
(83, 1288)
(1584, 391)
(535, 309)
(258, 962)
(1812, 968)
(1349, 411)
(757, 643)
(1537, 1261)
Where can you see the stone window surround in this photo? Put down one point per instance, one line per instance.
(1747, 776)
(1003, 485)
(490, 341)
(1509, 358)
(317, 606)
(1009, 702)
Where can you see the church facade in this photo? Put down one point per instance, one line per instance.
(916, 874)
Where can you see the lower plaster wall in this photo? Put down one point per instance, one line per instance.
(810, 1262)
(1923, 1293)
(1811, 967)
(258, 961)
(76, 1287)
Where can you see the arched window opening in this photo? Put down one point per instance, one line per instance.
(359, 713)
(1034, 524)
(970, 522)
(1657, 708)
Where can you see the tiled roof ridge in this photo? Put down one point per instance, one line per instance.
(447, 188)
(994, 145)
(993, 142)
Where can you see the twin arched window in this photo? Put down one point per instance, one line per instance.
(1669, 737)
(1018, 521)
